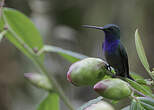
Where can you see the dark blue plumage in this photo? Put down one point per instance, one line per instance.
(113, 49)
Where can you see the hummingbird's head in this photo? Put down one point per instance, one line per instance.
(109, 29)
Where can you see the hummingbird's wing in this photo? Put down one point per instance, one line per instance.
(124, 59)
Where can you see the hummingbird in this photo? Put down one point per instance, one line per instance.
(114, 51)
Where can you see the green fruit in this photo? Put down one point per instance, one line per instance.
(86, 72)
(113, 88)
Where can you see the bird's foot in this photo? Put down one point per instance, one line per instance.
(108, 67)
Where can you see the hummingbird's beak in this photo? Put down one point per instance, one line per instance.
(94, 27)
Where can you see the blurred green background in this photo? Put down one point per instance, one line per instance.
(59, 22)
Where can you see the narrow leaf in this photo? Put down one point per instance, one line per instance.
(133, 105)
(136, 105)
(140, 51)
(140, 80)
(68, 55)
(147, 100)
(139, 87)
(142, 103)
(147, 106)
(22, 32)
(51, 102)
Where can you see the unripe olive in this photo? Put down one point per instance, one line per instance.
(113, 88)
(86, 72)
(102, 105)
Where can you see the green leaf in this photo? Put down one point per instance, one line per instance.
(68, 55)
(147, 100)
(22, 33)
(51, 102)
(142, 103)
(133, 105)
(94, 101)
(139, 87)
(140, 51)
(140, 80)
